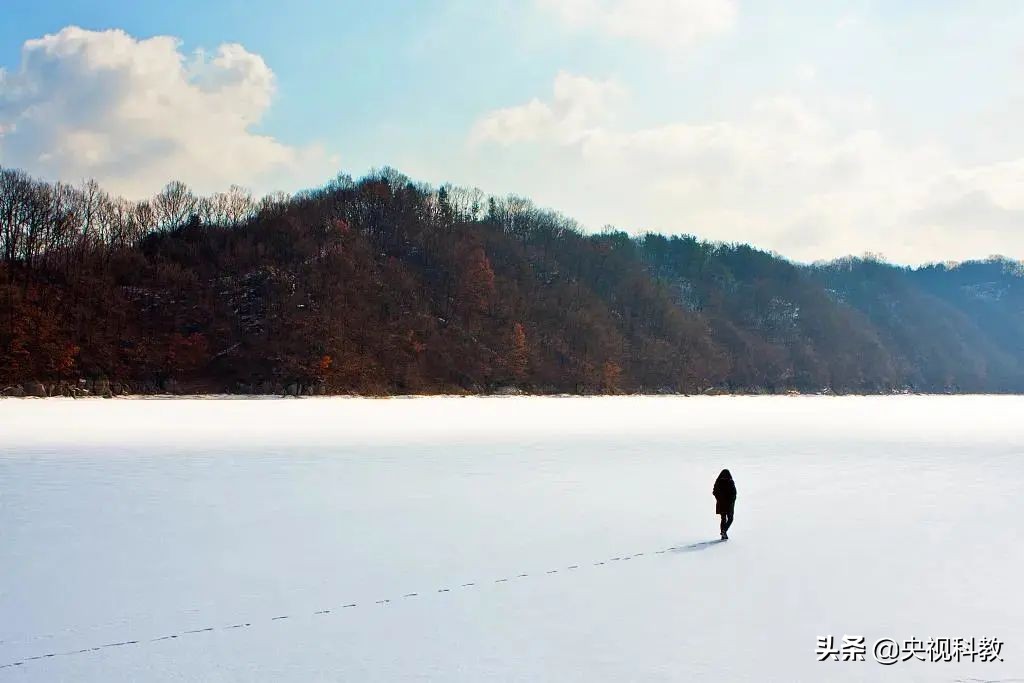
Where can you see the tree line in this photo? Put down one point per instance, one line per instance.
(382, 285)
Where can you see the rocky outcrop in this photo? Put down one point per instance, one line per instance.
(101, 387)
(105, 388)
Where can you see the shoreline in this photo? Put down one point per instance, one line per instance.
(522, 395)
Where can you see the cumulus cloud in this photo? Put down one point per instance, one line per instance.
(136, 113)
(784, 175)
(666, 24)
(578, 104)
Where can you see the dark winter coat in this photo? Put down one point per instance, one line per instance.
(725, 493)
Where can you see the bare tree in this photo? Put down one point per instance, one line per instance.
(240, 206)
(174, 205)
(144, 220)
(15, 190)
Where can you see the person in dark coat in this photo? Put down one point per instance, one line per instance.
(725, 500)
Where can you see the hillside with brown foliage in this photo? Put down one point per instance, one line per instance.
(385, 286)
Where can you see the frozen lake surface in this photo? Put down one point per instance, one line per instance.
(514, 539)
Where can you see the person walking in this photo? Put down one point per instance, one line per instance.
(724, 492)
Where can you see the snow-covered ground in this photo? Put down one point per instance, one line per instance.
(513, 539)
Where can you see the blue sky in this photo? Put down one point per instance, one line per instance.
(812, 128)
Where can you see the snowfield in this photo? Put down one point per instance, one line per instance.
(512, 539)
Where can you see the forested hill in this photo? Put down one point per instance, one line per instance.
(384, 286)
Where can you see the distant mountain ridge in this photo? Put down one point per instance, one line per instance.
(385, 286)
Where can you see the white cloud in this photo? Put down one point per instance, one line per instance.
(786, 175)
(578, 104)
(667, 24)
(134, 114)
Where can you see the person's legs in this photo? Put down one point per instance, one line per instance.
(727, 520)
(723, 526)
